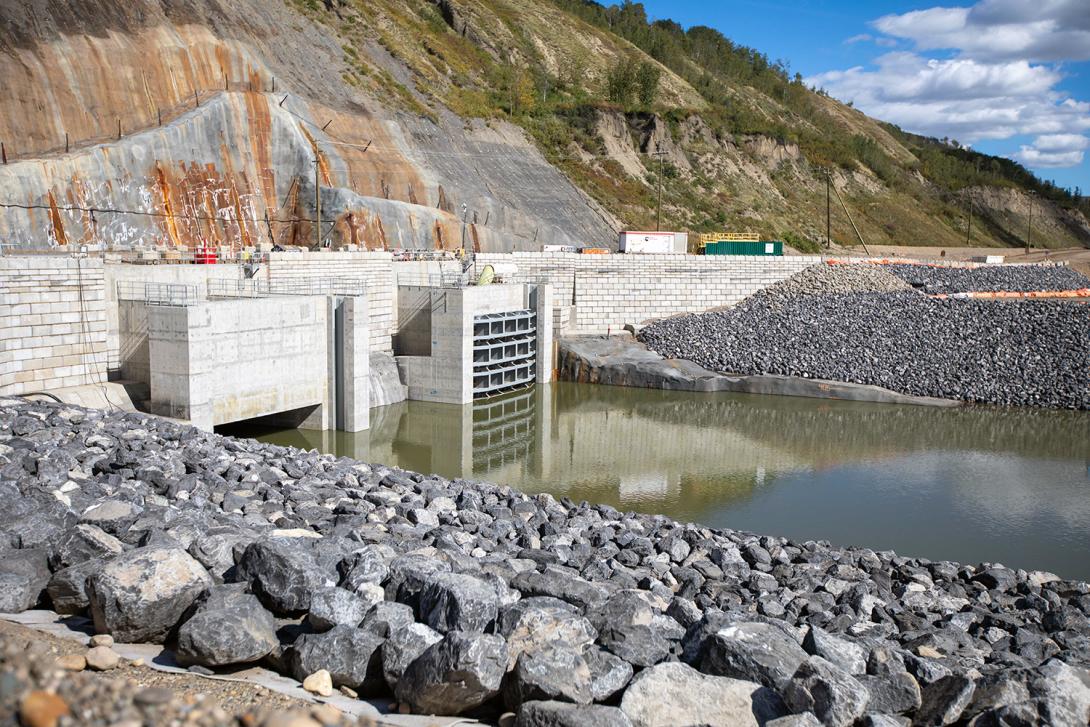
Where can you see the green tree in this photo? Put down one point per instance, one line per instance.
(621, 82)
(647, 83)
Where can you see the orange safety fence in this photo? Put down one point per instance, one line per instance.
(1080, 293)
(902, 261)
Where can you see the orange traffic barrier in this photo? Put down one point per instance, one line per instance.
(896, 261)
(1080, 293)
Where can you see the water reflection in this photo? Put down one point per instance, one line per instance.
(967, 484)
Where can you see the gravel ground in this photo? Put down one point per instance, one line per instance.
(822, 278)
(1027, 278)
(1023, 353)
(467, 598)
(133, 694)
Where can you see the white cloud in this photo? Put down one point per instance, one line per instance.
(1054, 150)
(996, 30)
(1061, 142)
(961, 98)
(1000, 81)
(868, 38)
(1045, 159)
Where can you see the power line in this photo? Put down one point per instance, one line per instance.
(143, 213)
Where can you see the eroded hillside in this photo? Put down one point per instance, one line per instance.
(492, 124)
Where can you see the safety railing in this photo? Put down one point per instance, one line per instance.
(158, 293)
(256, 288)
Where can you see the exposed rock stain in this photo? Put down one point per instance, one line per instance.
(56, 223)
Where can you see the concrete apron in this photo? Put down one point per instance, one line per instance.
(156, 657)
(622, 361)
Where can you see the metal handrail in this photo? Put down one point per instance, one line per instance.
(176, 294)
(255, 288)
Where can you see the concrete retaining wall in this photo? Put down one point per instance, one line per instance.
(52, 323)
(46, 346)
(375, 269)
(609, 291)
(168, 274)
(218, 362)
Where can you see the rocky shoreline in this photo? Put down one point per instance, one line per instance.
(459, 597)
(620, 360)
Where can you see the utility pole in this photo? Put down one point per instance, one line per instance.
(658, 205)
(317, 205)
(849, 214)
(969, 229)
(828, 211)
(1029, 233)
(465, 211)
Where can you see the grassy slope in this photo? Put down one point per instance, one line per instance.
(760, 159)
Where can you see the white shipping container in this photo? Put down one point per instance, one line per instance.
(660, 243)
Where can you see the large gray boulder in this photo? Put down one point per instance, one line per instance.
(352, 656)
(555, 672)
(609, 674)
(140, 596)
(534, 622)
(283, 572)
(409, 574)
(365, 566)
(560, 584)
(753, 651)
(67, 588)
(461, 672)
(332, 606)
(17, 592)
(24, 574)
(388, 617)
(458, 602)
(676, 695)
(892, 693)
(944, 700)
(402, 648)
(631, 629)
(83, 542)
(565, 714)
(849, 656)
(1063, 692)
(821, 687)
(229, 627)
(113, 516)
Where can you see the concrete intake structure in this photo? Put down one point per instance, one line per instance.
(301, 359)
(457, 344)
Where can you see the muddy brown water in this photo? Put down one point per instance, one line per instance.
(965, 484)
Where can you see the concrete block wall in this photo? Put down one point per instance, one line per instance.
(229, 360)
(52, 323)
(168, 274)
(609, 291)
(375, 269)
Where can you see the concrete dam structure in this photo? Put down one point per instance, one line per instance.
(324, 336)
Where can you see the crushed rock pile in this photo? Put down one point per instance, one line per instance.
(460, 597)
(824, 323)
(825, 278)
(990, 278)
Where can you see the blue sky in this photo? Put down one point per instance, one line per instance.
(1008, 77)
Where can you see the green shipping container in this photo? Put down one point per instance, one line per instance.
(727, 247)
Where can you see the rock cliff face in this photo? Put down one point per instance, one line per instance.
(200, 119)
(481, 124)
